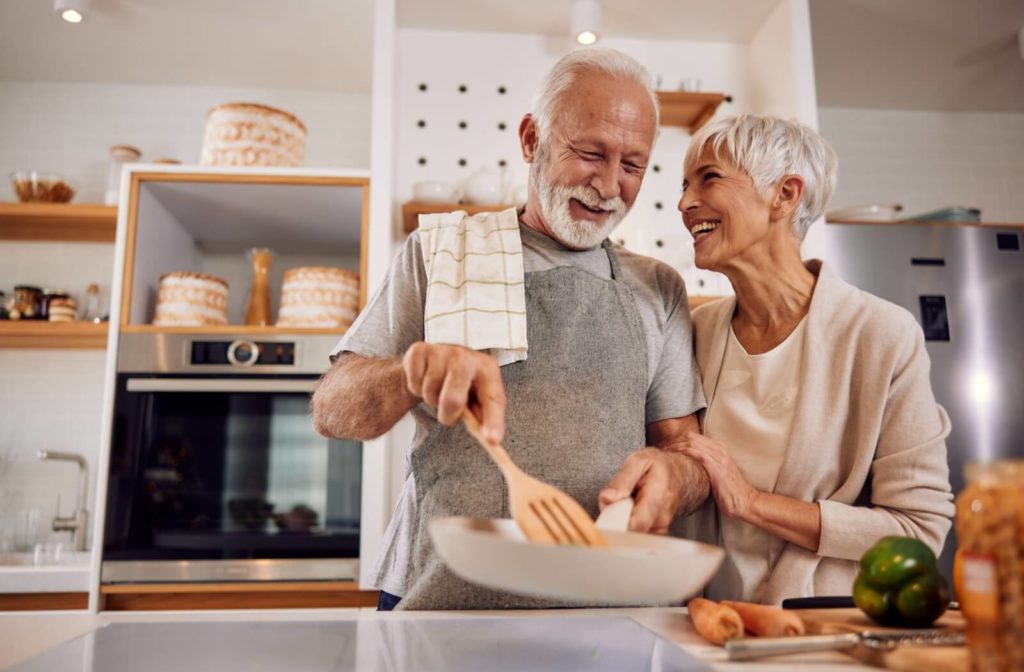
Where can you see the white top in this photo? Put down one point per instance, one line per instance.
(752, 414)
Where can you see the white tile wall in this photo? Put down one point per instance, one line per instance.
(69, 128)
(52, 399)
(927, 160)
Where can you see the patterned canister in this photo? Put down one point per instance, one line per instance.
(249, 134)
(190, 299)
(316, 296)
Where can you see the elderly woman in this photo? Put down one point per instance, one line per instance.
(821, 433)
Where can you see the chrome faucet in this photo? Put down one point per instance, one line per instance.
(77, 522)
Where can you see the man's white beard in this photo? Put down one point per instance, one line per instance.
(554, 207)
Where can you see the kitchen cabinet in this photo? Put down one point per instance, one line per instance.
(251, 595)
(205, 220)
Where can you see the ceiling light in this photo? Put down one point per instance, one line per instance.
(586, 20)
(72, 11)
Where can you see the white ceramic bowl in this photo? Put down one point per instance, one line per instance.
(435, 192)
(636, 569)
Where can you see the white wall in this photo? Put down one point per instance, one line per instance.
(927, 160)
(52, 399)
(69, 128)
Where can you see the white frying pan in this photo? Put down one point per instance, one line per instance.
(636, 569)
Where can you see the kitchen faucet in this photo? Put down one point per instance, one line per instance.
(77, 521)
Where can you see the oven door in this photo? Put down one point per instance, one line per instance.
(224, 478)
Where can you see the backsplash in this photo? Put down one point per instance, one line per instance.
(927, 160)
(69, 128)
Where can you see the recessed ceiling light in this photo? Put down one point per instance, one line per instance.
(72, 11)
(585, 20)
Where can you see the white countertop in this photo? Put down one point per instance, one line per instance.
(28, 634)
(19, 574)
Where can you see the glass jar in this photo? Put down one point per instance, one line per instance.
(26, 302)
(119, 155)
(48, 296)
(990, 528)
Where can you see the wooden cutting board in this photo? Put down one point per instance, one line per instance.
(908, 658)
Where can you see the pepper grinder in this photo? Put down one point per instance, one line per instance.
(257, 311)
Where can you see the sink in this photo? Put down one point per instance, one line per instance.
(20, 574)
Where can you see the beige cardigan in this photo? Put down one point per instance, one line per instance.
(867, 442)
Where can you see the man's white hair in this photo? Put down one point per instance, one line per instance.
(592, 59)
(767, 148)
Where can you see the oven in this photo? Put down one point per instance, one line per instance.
(216, 472)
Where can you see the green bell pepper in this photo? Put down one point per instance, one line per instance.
(899, 584)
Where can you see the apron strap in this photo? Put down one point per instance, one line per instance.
(613, 258)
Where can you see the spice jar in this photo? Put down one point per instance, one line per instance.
(119, 155)
(26, 302)
(47, 300)
(990, 527)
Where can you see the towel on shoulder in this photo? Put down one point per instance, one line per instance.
(476, 292)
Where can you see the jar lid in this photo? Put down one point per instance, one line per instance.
(56, 293)
(27, 288)
(126, 148)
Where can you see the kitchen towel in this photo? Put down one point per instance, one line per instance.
(476, 294)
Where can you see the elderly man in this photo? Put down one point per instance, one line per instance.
(608, 365)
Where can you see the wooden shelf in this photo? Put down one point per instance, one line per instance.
(413, 209)
(689, 110)
(240, 329)
(71, 222)
(41, 335)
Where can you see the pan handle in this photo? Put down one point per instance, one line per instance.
(747, 649)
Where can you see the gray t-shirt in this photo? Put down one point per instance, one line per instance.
(393, 320)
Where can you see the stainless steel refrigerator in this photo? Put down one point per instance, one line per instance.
(965, 285)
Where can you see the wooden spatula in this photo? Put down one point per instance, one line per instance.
(544, 513)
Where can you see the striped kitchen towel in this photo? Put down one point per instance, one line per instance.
(476, 294)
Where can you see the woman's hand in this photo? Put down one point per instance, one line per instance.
(733, 494)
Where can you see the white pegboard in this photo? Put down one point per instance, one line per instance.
(460, 97)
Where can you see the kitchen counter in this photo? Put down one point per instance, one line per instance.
(355, 638)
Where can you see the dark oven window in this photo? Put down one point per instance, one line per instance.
(228, 475)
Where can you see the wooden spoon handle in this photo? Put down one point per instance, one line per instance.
(495, 450)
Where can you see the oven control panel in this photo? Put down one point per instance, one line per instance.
(242, 353)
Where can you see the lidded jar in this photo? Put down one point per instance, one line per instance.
(119, 155)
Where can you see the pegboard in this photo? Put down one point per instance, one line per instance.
(461, 96)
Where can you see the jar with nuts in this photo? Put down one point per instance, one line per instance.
(990, 527)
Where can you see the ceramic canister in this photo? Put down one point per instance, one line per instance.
(316, 296)
(188, 299)
(249, 134)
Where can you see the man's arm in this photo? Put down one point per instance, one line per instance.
(361, 397)
(663, 481)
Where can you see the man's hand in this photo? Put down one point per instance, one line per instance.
(660, 481)
(452, 379)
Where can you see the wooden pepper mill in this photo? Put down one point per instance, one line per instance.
(257, 312)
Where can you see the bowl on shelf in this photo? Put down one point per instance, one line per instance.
(32, 186)
(432, 191)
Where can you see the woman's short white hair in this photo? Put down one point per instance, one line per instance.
(610, 62)
(767, 148)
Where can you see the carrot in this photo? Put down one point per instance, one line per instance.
(767, 621)
(714, 622)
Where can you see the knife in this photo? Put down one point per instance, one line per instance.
(748, 649)
(832, 602)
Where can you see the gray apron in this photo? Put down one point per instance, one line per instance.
(576, 410)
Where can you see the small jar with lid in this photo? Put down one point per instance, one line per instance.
(119, 155)
(27, 301)
(990, 529)
(49, 296)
